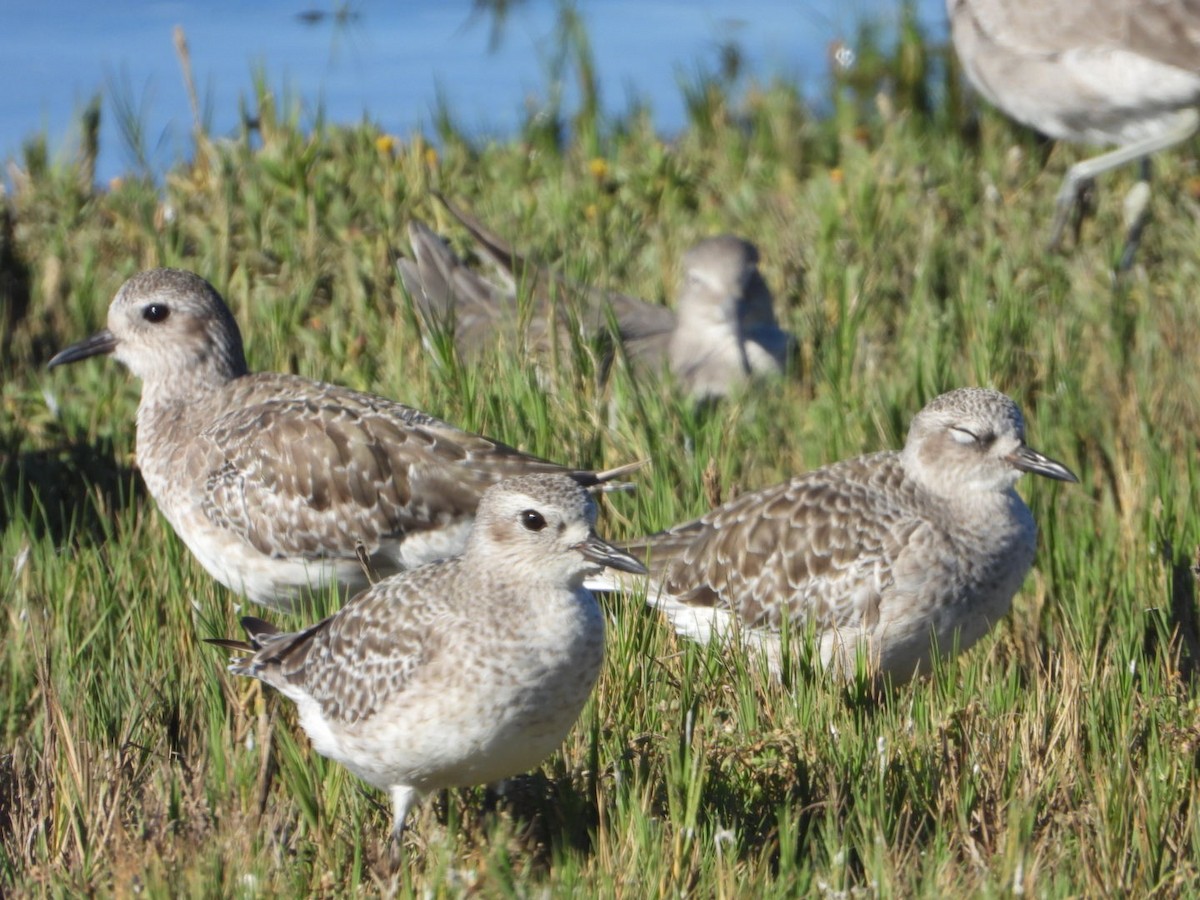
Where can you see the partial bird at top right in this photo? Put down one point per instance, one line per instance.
(1123, 72)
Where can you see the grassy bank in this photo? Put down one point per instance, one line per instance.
(904, 241)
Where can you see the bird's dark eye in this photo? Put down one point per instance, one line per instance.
(156, 312)
(532, 520)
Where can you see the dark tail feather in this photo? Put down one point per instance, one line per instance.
(605, 481)
(494, 245)
(258, 628)
(255, 627)
(240, 646)
(274, 646)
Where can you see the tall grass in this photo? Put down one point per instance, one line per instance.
(905, 245)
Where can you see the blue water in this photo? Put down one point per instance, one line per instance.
(388, 61)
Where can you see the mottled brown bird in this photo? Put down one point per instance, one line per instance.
(892, 554)
(279, 484)
(463, 671)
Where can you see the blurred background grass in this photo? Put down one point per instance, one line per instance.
(903, 236)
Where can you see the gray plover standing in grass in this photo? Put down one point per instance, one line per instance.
(1088, 71)
(721, 334)
(463, 671)
(276, 483)
(892, 553)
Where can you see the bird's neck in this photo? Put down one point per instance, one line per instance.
(187, 400)
(199, 379)
(998, 512)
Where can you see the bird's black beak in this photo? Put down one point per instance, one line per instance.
(101, 342)
(1029, 460)
(604, 553)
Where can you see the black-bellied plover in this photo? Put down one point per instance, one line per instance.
(461, 672)
(722, 332)
(277, 483)
(1088, 71)
(891, 553)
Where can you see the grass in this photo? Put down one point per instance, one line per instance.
(904, 240)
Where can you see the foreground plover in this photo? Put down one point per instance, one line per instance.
(722, 332)
(890, 553)
(276, 483)
(460, 672)
(1088, 71)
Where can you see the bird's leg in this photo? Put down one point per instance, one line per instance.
(1185, 124)
(1075, 196)
(403, 797)
(1137, 214)
(1085, 207)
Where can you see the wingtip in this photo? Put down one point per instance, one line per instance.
(419, 232)
(230, 644)
(500, 251)
(605, 481)
(256, 627)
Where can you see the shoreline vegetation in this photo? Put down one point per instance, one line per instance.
(903, 237)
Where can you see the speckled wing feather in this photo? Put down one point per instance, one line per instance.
(819, 548)
(352, 663)
(303, 472)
